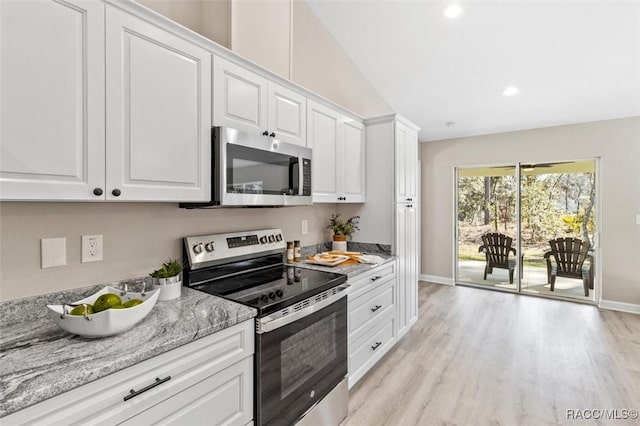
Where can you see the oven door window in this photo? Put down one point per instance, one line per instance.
(255, 171)
(300, 363)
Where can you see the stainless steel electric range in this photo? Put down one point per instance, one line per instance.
(301, 327)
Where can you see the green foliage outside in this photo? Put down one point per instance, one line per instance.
(552, 206)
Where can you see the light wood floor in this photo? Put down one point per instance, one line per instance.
(480, 357)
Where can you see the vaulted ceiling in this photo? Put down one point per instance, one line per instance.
(572, 61)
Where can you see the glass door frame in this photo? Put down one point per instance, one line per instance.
(519, 258)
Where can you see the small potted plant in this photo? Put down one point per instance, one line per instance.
(168, 278)
(342, 230)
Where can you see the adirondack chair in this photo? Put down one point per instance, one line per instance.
(497, 248)
(569, 256)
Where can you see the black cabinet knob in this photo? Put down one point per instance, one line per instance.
(265, 133)
(273, 135)
(97, 191)
(116, 192)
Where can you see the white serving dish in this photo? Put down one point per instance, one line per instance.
(105, 323)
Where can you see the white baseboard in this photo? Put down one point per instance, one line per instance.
(619, 306)
(437, 280)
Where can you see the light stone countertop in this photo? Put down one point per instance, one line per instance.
(349, 270)
(38, 360)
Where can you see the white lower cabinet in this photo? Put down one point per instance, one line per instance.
(371, 319)
(209, 381)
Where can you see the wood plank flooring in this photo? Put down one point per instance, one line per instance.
(480, 357)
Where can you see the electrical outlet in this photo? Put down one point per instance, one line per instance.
(305, 227)
(53, 252)
(91, 248)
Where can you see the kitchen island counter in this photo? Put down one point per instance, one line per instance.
(40, 360)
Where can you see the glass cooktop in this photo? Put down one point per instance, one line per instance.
(272, 288)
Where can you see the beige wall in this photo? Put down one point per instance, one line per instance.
(615, 142)
(284, 36)
(207, 17)
(320, 64)
(261, 31)
(137, 238)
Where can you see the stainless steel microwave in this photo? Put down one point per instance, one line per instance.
(257, 170)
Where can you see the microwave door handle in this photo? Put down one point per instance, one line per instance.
(300, 176)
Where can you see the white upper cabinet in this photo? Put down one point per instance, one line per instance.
(406, 140)
(246, 101)
(239, 97)
(338, 165)
(158, 113)
(51, 100)
(55, 116)
(323, 137)
(353, 162)
(287, 114)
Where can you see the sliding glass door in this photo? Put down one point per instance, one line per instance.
(528, 228)
(487, 226)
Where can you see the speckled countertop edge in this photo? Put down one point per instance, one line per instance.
(38, 360)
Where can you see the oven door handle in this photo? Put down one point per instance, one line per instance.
(267, 324)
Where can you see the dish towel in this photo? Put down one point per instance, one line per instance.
(371, 259)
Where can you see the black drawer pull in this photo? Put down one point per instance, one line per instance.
(158, 381)
(376, 308)
(374, 347)
(376, 278)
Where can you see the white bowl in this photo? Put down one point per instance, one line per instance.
(104, 323)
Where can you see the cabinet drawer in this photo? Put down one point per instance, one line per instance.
(366, 351)
(101, 402)
(374, 304)
(224, 398)
(371, 279)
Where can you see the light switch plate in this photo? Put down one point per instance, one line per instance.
(305, 227)
(53, 252)
(638, 219)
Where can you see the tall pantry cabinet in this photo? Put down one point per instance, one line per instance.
(391, 214)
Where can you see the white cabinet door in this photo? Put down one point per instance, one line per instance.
(240, 97)
(287, 112)
(406, 164)
(407, 240)
(51, 100)
(158, 113)
(338, 167)
(352, 175)
(324, 138)
(225, 398)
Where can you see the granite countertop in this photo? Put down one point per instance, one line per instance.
(38, 360)
(350, 270)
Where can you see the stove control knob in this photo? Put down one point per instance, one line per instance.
(210, 246)
(197, 249)
(264, 298)
(271, 238)
(272, 295)
(279, 293)
(263, 240)
(278, 237)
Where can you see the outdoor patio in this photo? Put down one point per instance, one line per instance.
(534, 280)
